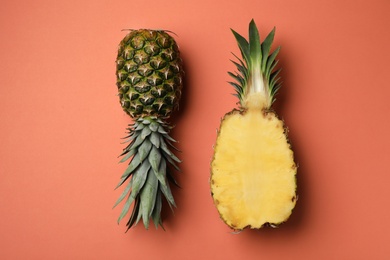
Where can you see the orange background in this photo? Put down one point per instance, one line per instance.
(61, 125)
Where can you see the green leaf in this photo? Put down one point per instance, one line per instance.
(124, 193)
(242, 69)
(156, 214)
(238, 78)
(270, 62)
(144, 149)
(155, 139)
(239, 59)
(128, 155)
(237, 96)
(272, 68)
(161, 172)
(242, 64)
(274, 77)
(123, 179)
(136, 142)
(125, 151)
(139, 215)
(135, 162)
(165, 148)
(243, 45)
(139, 178)
(274, 83)
(154, 158)
(129, 137)
(134, 213)
(132, 166)
(145, 121)
(138, 127)
(237, 88)
(166, 136)
(168, 195)
(171, 162)
(125, 209)
(145, 132)
(161, 130)
(266, 47)
(154, 126)
(148, 197)
(170, 144)
(172, 179)
(254, 43)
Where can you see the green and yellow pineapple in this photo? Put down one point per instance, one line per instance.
(149, 80)
(253, 173)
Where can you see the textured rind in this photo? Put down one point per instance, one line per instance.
(216, 202)
(149, 73)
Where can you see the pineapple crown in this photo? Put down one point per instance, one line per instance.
(256, 70)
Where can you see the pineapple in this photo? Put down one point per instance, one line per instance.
(149, 80)
(253, 173)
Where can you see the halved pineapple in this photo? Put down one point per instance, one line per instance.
(253, 173)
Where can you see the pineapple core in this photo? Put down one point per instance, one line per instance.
(253, 171)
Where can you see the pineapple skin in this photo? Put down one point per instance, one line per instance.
(149, 73)
(149, 79)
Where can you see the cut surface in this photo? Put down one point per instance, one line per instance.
(253, 171)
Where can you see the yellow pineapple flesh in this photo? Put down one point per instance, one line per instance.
(253, 179)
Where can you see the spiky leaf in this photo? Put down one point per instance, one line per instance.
(148, 197)
(156, 214)
(148, 172)
(255, 67)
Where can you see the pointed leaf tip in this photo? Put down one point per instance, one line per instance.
(243, 44)
(254, 43)
(266, 48)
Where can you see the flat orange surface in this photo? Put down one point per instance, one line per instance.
(61, 124)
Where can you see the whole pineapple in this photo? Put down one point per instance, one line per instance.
(149, 80)
(253, 174)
